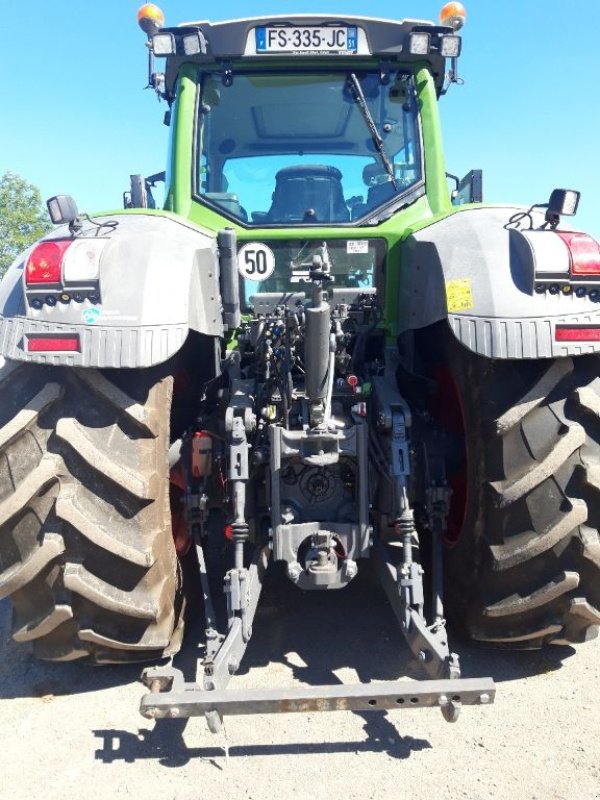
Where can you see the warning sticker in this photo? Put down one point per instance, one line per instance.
(458, 295)
(357, 246)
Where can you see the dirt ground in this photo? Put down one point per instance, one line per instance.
(70, 731)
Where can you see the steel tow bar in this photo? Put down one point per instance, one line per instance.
(171, 697)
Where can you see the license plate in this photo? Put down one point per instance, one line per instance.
(328, 39)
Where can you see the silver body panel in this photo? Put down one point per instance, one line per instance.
(504, 317)
(159, 277)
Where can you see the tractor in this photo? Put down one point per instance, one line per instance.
(323, 350)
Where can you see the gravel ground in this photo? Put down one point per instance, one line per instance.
(70, 731)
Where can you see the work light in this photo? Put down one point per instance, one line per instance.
(418, 44)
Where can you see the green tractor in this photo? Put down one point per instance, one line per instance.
(320, 351)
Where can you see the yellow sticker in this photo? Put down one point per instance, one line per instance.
(458, 295)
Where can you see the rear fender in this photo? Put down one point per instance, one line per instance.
(479, 274)
(159, 278)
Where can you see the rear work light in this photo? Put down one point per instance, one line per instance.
(450, 46)
(45, 262)
(53, 344)
(583, 251)
(419, 44)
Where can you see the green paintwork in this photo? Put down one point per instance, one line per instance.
(431, 207)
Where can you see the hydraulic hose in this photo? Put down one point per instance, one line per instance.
(330, 377)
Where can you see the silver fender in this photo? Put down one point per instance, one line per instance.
(159, 278)
(472, 270)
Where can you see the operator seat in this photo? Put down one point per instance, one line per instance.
(381, 189)
(308, 193)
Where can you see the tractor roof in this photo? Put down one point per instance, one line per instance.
(230, 38)
(375, 38)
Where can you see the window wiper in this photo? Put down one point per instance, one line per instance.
(368, 118)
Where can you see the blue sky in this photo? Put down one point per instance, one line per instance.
(75, 119)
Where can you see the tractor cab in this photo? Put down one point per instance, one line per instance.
(306, 121)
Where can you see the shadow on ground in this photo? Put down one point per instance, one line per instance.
(165, 743)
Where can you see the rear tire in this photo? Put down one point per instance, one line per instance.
(86, 550)
(525, 571)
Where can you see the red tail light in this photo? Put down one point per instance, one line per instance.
(584, 252)
(576, 334)
(53, 344)
(45, 261)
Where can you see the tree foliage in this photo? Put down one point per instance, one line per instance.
(23, 219)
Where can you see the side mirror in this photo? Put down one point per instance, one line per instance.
(469, 189)
(563, 202)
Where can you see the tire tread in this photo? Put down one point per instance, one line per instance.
(86, 550)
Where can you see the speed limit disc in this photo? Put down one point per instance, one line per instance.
(256, 261)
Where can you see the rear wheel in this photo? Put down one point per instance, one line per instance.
(86, 550)
(524, 568)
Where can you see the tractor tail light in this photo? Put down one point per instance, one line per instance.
(584, 253)
(53, 344)
(45, 262)
(576, 334)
